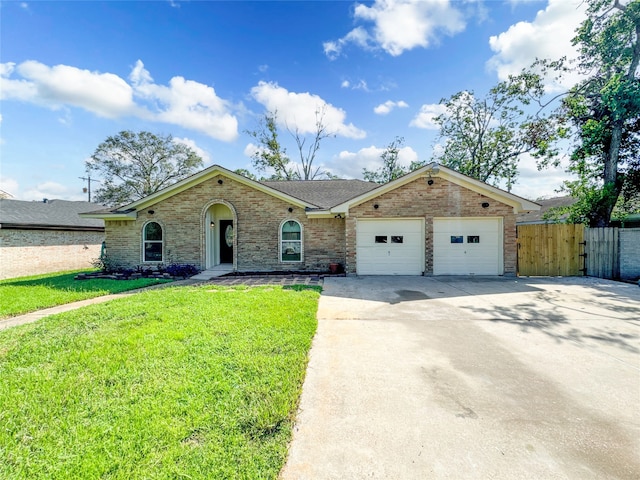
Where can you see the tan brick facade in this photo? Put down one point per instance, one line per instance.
(33, 252)
(442, 199)
(258, 217)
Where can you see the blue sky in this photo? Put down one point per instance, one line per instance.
(73, 73)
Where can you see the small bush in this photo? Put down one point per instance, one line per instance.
(178, 270)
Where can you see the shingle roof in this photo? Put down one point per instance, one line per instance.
(537, 216)
(53, 213)
(323, 193)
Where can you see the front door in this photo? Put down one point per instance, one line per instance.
(226, 241)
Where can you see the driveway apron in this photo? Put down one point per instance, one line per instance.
(449, 377)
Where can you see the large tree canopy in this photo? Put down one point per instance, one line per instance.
(605, 110)
(485, 137)
(133, 165)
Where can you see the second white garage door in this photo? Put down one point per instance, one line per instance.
(467, 246)
(390, 247)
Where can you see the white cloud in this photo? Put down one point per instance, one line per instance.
(104, 94)
(203, 154)
(52, 190)
(533, 183)
(298, 110)
(399, 25)
(251, 149)
(350, 164)
(185, 103)
(547, 37)
(426, 115)
(386, 107)
(9, 185)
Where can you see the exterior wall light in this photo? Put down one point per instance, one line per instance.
(212, 224)
(485, 204)
(220, 181)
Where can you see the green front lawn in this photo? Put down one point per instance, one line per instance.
(198, 383)
(28, 294)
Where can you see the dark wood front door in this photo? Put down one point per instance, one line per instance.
(226, 241)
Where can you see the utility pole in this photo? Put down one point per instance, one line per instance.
(87, 189)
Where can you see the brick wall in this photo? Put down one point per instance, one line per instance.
(629, 253)
(442, 199)
(32, 252)
(259, 217)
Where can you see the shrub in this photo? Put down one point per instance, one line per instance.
(178, 270)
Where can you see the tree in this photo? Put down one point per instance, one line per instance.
(485, 137)
(604, 108)
(245, 173)
(272, 156)
(308, 155)
(134, 165)
(390, 169)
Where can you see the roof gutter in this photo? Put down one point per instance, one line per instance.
(73, 228)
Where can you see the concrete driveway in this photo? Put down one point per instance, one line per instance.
(449, 377)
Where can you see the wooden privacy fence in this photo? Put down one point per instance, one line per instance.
(551, 249)
(603, 252)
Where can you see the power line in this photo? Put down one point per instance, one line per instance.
(87, 189)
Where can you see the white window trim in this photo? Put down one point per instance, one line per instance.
(144, 241)
(280, 260)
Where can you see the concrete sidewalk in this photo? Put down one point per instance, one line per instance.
(38, 314)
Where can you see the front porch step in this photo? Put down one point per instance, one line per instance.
(217, 271)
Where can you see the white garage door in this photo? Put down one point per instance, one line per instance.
(390, 247)
(467, 246)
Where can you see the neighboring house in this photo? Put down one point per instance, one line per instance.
(432, 221)
(537, 216)
(4, 194)
(47, 236)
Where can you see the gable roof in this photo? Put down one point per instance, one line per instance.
(323, 193)
(435, 170)
(52, 214)
(319, 197)
(128, 212)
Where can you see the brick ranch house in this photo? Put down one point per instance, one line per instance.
(47, 236)
(432, 221)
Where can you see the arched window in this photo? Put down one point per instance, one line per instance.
(290, 241)
(152, 242)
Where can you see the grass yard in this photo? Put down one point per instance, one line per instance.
(183, 382)
(28, 294)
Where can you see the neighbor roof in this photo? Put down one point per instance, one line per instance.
(323, 193)
(52, 214)
(546, 205)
